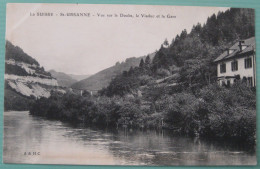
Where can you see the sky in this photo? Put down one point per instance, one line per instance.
(88, 44)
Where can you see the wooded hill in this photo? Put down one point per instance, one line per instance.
(63, 79)
(104, 77)
(193, 53)
(17, 54)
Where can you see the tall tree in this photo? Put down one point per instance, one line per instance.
(141, 65)
(147, 60)
(166, 43)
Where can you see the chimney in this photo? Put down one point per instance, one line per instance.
(240, 44)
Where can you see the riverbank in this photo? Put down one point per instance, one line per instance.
(212, 112)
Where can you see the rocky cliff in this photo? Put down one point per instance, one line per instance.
(25, 80)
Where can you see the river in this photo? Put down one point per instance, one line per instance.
(56, 142)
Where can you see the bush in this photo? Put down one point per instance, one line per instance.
(15, 101)
(231, 111)
(212, 111)
(163, 72)
(15, 70)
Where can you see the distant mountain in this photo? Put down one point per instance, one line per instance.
(25, 80)
(78, 77)
(104, 77)
(63, 79)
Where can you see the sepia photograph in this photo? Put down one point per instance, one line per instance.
(138, 85)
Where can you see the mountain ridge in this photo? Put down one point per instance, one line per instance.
(102, 78)
(63, 79)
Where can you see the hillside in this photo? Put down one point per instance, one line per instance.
(188, 58)
(78, 77)
(178, 89)
(63, 79)
(17, 54)
(104, 77)
(25, 80)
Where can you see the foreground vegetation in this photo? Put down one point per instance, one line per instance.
(212, 111)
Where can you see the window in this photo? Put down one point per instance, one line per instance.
(228, 83)
(250, 81)
(248, 63)
(223, 68)
(234, 66)
(223, 83)
(244, 80)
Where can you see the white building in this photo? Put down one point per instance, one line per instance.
(238, 63)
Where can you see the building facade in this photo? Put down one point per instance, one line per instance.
(237, 63)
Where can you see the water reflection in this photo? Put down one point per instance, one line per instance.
(61, 143)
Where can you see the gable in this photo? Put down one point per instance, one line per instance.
(247, 47)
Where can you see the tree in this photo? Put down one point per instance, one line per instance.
(183, 34)
(131, 71)
(141, 65)
(148, 64)
(147, 60)
(166, 43)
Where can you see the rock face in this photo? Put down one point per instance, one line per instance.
(25, 80)
(30, 86)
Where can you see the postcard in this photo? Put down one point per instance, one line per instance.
(152, 85)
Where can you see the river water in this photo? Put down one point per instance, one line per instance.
(56, 142)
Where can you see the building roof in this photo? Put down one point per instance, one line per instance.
(250, 46)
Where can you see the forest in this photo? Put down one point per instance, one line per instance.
(16, 53)
(176, 90)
